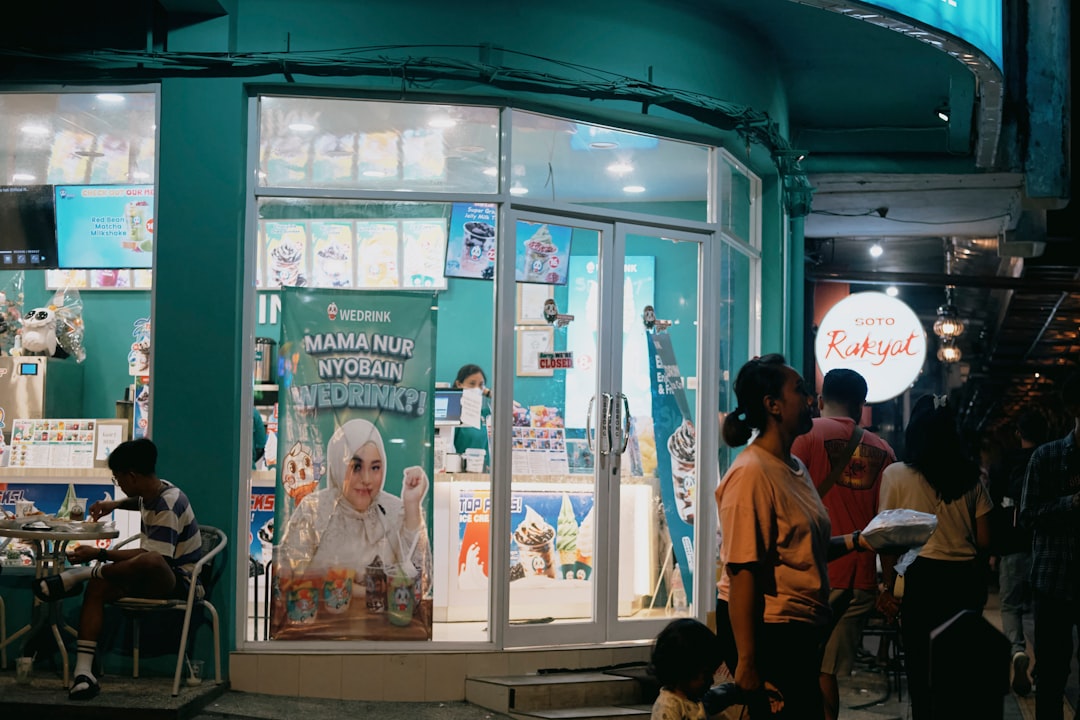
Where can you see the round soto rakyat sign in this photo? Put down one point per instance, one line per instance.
(878, 337)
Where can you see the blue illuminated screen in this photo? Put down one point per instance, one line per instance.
(28, 368)
(977, 22)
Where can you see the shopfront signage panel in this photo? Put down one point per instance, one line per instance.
(976, 22)
(877, 336)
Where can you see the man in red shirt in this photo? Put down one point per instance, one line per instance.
(852, 501)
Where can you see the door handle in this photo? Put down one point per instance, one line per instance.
(625, 422)
(588, 425)
(607, 404)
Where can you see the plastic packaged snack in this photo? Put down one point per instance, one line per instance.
(899, 528)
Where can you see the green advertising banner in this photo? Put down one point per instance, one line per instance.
(352, 541)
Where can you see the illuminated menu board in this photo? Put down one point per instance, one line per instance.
(976, 22)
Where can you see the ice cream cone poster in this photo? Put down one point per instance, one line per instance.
(286, 254)
(353, 501)
(543, 252)
(676, 451)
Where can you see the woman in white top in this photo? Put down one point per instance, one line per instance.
(773, 613)
(354, 520)
(939, 478)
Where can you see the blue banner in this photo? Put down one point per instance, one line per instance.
(676, 445)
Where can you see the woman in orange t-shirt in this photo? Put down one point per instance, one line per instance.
(773, 612)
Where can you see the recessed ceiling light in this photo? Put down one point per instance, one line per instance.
(301, 127)
(620, 168)
(31, 129)
(140, 175)
(518, 190)
(876, 250)
(892, 291)
(470, 148)
(374, 173)
(603, 145)
(491, 171)
(634, 189)
(1037, 375)
(442, 122)
(23, 177)
(111, 97)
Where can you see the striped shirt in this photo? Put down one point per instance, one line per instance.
(169, 528)
(1053, 477)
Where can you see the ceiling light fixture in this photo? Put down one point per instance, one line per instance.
(301, 127)
(620, 168)
(1037, 376)
(110, 97)
(634, 189)
(603, 145)
(876, 250)
(374, 173)
(948, 325)
(948, 352)
(23, 177)
(892, 291)
(491, 171)
(943, 113)
(32, 129)
(442, 122)
(519, 190)
(140, 175)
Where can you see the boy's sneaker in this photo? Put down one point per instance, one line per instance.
(1021, 683)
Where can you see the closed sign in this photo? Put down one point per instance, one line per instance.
(878, 337)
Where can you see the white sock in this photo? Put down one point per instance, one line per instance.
(75, 575)
(85, 659)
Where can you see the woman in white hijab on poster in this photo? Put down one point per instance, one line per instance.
(354, 520)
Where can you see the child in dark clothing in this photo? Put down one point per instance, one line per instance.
(685, 656)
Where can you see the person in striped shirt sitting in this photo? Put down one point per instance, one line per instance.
(161, 567)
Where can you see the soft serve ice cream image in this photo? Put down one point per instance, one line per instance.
(535, 539)
(585, 539)
(681, 446)
(539, 251)
(566, 539)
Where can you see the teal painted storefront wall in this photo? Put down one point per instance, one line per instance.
(198, 416)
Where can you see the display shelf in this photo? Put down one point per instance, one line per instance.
(14, 473)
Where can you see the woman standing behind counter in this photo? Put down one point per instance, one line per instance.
(469, 377)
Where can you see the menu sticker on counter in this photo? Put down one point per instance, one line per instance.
(539, 451)
(53, 443)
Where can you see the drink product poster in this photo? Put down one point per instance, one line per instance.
(261, 529)
(353, 500)
(105, 226)
(332, 243)
(286, 245)
(543, 252)
(553, 537)
(48, 498)
(470, 246)
(676, 446)
(377, 253)
(424, 244)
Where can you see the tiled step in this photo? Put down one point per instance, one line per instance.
(607, 712)
(551, 691)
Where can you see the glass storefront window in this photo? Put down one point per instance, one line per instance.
(77, 173)
(364, 245)
(562, 161)
(739, 193)
(369, 145)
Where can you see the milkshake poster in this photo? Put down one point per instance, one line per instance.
(353, 498)
(543, 252)
(105, 226)
(553, 537)
(470, 245)
(286, 244)
(676, 445)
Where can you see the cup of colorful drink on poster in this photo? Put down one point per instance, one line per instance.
(535, 539)
(302, 598)
(337, 588)
(470, 246)
(543, 253)
(401, 593)
(375, 587)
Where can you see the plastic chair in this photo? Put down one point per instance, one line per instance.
(207, 570)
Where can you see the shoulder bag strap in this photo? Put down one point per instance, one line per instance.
(841, 462)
